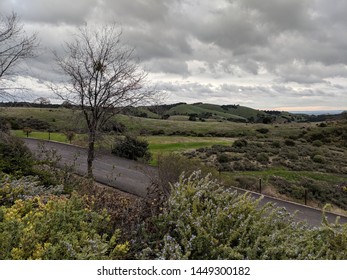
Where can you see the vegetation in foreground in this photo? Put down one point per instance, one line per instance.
(202, 220)
(194, 218)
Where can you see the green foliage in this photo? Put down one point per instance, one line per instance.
(171, 166)
(12, 189)
(247, 182)
(132, 148)
(285, 187)
(5, 125)
(240, 143)
(263, 130)
(59, 228)
(318, 158)
(276, 144)
(15, 158)
(270, 157)
(289, 142)
(192, 117)
(263, 158)
(24, 123)
(222, 158)
(317, 143)
(202, 220)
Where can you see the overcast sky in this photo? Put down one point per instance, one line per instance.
(266, 54)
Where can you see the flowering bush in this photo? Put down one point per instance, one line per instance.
(60, 228)
(12, 189)
(203, 220)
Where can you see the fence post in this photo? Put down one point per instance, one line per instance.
(305, 196)
(259, 185)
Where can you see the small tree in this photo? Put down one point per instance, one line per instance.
(15, 46)
(27, 131)
(70, 135)
(103, 78)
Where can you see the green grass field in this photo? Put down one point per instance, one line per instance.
(292, 176)
(53, 136)
(167, 144)
(157, 144)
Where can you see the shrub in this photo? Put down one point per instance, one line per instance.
(131, 147)
(287, 188)
(289, 142)
(247, 183)
(60, 228)
(317, 143)
(124, 209)
(116, 127)
(12, 189)
(245, 165)
(34, 124)
(222, 158)
(263, 158)
(240, 143)
(318, 158)
(158, 132)
(263, 130)
(293, 155)
(203, 220)
(192, 117)
(15, 158)
(276, 144)
(5, 125)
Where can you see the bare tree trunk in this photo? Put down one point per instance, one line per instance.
(91, 153)
(103, 76)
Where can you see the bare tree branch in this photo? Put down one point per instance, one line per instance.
(15, 46)
(102, 78)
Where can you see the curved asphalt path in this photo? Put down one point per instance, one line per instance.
(135, 178)
(127, 175)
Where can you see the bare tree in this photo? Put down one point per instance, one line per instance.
(103, 78)
(15, 46)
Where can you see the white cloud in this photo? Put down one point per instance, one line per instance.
(259, 53)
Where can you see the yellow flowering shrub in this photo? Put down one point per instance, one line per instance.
(57, 228)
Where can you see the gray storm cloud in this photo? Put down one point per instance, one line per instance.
(275, 49)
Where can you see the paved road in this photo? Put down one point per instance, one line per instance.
(134, 177)
(303, 213)
(126, 175)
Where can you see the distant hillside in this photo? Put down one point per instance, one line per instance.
(235, 113)
(204, 112)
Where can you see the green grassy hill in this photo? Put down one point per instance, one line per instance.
(63, 119)
(205, 111)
